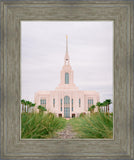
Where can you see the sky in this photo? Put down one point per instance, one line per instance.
(43, 47)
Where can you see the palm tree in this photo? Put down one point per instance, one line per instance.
(91, 108)
(105, 105)
(109, 101)
(28, 104)
(33, 104)
(99, 105)
(23, 104)
(41, 109)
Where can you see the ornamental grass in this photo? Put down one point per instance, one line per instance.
(97, 125)
(35, 125)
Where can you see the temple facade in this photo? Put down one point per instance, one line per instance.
(66, 100)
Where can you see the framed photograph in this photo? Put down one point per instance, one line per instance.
(67, 107)
(67, 79)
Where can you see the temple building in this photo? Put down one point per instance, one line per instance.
(66, 100)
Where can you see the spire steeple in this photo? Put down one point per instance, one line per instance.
(66, 74)
(66, 44)
(66, 55)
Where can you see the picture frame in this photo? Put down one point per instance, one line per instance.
(122, 145)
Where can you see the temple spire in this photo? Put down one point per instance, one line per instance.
(66, 55)
(66, 44)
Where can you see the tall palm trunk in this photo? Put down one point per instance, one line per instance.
(22, 107)
(108, 109)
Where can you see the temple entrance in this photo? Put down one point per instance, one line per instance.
(66, 107)
(60, 115)
(73, 115)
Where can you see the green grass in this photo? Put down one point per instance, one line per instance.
(34, 125)
(98, 125)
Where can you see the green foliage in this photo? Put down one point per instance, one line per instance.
(91, 109)
(109, 101)
(105, 104)
(93, 106)
(27, 103)
(99, 105)
(82, 114)
(98, 125)
(41, 108)
(34, 125)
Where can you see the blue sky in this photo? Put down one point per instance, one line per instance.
(43, 46)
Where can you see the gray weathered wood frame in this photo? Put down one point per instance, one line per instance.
(121, 146)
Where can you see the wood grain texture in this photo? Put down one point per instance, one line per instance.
(121, 13)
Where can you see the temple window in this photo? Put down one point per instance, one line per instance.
(79, 102)
(66, 78)
(72, 105)
(43, 101)
(53, 102)
(90, 102)
(72, 109)
(61, 102)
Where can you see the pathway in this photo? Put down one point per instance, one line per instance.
(66, 133)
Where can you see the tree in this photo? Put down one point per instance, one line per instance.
(28, 103)
(23, 104)
(99, 105)
(108, 103)
(41, 109)
(105, 105)
(32, 105)
(91, 109)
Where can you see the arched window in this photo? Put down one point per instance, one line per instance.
(66, 78)
(42, 101)
(72, 105)
(53, 102)
(67, 107)
(90, 102)
(61, 105)
(79, 102)
(66, 100)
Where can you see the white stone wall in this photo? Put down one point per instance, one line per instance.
(73, 94)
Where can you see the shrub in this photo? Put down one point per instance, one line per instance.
(41, 109)
(82, 114)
